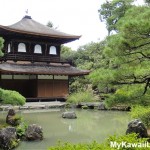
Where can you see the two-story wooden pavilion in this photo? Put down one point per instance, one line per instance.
(31, 63)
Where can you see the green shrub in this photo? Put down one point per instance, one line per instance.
(79, 97)
(142, 113)
(1, 46)
(11, 97)
(14, 143)
(128, 95)
(3, 125)
(69, 146)
(21, 129)
(84, 107)
(129, 138)
(1, 53)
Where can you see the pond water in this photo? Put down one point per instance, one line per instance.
(90, 125)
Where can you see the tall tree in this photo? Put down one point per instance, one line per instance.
(112, 11)
(147, 2)
(51, 25)
(129, 57)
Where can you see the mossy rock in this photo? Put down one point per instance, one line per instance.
(84, 107)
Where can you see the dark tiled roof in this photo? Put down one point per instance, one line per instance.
(29, 26)
(41, 68)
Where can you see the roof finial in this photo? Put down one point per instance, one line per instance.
(26, 12)
(27, 15)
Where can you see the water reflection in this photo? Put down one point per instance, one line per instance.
(90, 125)
(70, 128)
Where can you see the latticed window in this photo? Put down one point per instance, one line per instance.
(52, 50)
(9, 49)
(21, 47)
(38, 49)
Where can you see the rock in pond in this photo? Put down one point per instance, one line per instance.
(136, 126)
(8, 138)
(101, 106)
(69, 115)
(11, 118)
(34, 132)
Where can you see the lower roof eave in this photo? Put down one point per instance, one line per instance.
(41, 69)
(31, 73)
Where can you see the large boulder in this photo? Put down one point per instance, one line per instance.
(34, 132)
(8, 138)
(69, 115)
(11, 118)
(136, 126)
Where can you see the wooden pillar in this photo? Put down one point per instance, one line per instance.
(45, 49)
(53, 86)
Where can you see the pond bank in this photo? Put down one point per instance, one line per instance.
(58, 104)
(35, 105)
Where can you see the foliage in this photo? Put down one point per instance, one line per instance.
(16, 120)
(130, 138)
(87, 57)
(142, 113)
(128, 54)
(11, 97)
(14, 143)
(120, 64)
(1, 46)
(78, 84)
(86, 96)
(85, 107)
(112, 11)
(102, 77)
(3, 125)
(147, 2)
(90, 56)
(69, 146)
(51, 25)
(129, 95)
(21, 129)
(67, 53)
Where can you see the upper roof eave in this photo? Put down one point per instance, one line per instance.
(6, 28)
(30, 27)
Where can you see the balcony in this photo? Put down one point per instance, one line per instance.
(31, 58)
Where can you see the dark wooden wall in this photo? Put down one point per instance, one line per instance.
(27, 88)
(37, 88)
(52, 88)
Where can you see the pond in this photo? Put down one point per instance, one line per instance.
(90, 125)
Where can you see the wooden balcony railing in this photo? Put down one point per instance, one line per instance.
(31, 58)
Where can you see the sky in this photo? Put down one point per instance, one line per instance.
(78, 17)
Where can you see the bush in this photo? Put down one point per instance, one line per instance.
(11, 97)
(69, 146)
(142, 113)
(128, 95)
(79, 97)
(130, 138)
(1, 46)
(21, 129)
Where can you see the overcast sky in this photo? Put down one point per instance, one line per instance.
(79, 17)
